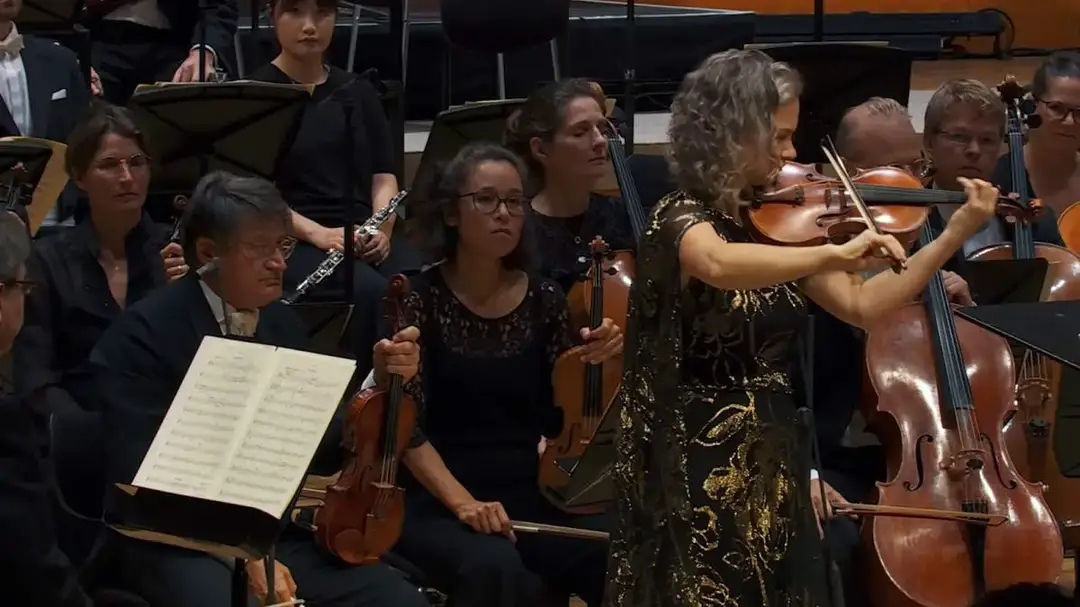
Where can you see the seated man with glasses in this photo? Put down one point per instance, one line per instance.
(963, 133)
(1052, 153)
(236, 236)
(88, 275)
(33, 570)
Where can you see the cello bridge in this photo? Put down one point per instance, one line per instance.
(964, 462)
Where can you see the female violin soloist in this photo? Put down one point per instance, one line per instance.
(712, 479)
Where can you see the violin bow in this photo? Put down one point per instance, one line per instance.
(856, 198)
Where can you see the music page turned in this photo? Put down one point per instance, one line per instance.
(245, 424)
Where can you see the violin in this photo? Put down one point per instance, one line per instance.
(805, 208)
(1030, 435)
(941, 390)
(363, 509)
(584, 392)
(617, 271)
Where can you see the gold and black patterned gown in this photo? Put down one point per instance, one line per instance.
(712, 474)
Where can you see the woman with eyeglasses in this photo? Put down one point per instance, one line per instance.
(559, 132)
(490, 333)
(1052, 152)
(88, 275)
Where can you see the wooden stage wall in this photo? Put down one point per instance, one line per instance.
(1039, 23)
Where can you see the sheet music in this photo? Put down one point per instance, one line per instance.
(244, 424)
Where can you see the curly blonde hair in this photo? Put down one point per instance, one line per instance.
(722, 120)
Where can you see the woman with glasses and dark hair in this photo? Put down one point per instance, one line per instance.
(89, 274)
(559, 132)
(314, 177)
(1052, 152)
(490, 333)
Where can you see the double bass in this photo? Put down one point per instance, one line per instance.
(363, 509)
(942, 389)
(1030, 434)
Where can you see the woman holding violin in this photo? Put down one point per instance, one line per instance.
(490, 334)
(712, 477)
(560, 133)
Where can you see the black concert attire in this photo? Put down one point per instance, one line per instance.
(562, 243)
(44, 96)
(146, 40)
(138, 366)
(33, 569)
(313, 177)
(64, 318)
(486, 393)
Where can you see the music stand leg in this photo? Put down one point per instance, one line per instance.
(239, 584)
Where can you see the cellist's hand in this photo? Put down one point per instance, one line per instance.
(957, 288)
(824, 511)
(399, 355)
(602, 343)
(284, 586)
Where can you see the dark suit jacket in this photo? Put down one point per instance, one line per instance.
(58, 99)
(33, 571)
(140, 361)
(220, 18)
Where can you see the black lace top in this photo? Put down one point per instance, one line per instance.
(485, 383)
(563, 242)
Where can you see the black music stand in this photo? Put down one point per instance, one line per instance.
(455, 128)
(590, 475)
(244, 128)
(1006, 281)
(22, 165)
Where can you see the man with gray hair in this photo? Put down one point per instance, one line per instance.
(33, 570)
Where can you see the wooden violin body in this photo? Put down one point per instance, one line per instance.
(805, 208)
(364, 509)
(929, 563)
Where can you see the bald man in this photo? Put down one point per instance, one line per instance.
(878, 133)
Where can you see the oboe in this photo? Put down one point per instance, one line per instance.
(336, 256)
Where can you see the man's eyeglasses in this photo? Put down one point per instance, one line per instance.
(26, 286)
(114, 165)
(487, 202)
(1057, 111)
(966, 139)
(266, 250)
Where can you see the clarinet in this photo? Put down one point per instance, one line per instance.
(336, 256)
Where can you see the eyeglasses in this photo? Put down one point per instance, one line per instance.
(966, 139)
(1057, 111)
(26, 286)
(266, 250)
(487, 202)
(114, 165)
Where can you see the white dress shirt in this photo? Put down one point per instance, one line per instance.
(238, 323)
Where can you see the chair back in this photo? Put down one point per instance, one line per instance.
(501, 26)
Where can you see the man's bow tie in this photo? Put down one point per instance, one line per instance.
(11, 46)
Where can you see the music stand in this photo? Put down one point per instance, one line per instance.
(1004, 281)
(455, 128)
(22, 165)
(590, 475)
(241, 127)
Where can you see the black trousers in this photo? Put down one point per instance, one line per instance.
(852, 472)
(369, 287)
(477, 570)
(126, 55)
(171, 577)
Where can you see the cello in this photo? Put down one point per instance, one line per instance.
(584, 392)
(942, 390)
(1030, 434)
(362, 510)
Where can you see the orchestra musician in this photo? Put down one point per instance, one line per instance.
(137, 42)
(963, 132)
(491, 331)
(1052, 153)
(33, 570)
(313, 176)
(237, 230)
(559, 132)
(712, 496)
(44, 96)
